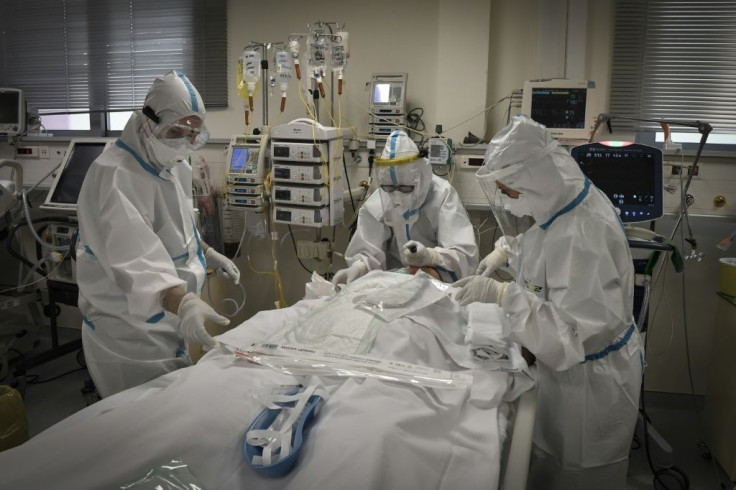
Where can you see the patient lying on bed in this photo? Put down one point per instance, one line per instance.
(376, 429)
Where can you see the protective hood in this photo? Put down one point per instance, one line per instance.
(524, 157)
(170, 99)
(398, 168)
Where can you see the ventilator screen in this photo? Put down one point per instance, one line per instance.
(69, 183)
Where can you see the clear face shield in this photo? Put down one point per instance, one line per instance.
(399, 189)
(509, 207)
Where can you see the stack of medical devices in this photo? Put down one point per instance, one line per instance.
(246, 172)
(307, 173)
(387, 104)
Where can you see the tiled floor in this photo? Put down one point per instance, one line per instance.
(675, 416)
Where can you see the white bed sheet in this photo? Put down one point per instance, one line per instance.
(370, 434)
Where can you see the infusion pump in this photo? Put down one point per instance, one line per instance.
(307, 173)
(246, 172)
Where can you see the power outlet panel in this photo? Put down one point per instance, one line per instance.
(26, 151)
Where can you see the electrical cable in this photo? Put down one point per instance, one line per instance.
(37, 381)
(672, 471)
(293, 241)
(347, 181)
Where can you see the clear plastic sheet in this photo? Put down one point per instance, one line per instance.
(174, 475)
(403, 297)
(336, 325)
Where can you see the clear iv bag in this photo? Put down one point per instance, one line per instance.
(251, 66)
(283, 74)
(317, 51)
(283, 69)
(340, 51)
(251, 72)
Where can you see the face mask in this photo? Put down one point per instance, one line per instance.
(402, 202)
(168, 154)
(519, 207)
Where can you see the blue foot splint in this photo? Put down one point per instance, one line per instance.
(273, 440)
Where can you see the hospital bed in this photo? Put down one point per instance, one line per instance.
(370, 432)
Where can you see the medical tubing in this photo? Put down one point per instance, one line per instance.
(14, 229)
(238, 308)
(21, 287)
(33, 269)
(27, 212)
(644, 304)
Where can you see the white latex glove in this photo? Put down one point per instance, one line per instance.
(349, 274)
(480, 289)
(418, 255)
(193, 312)
(222, 264)
(491, 262)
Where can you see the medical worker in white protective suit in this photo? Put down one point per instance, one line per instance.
(570, 304)
(414, 220)
(141, 263)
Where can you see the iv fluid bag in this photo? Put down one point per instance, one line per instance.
(240, 85)
(317, 51)
(283, 69)
(340, 51)
(251, 66)
(294, 49)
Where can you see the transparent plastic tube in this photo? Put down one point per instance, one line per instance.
(299, 360)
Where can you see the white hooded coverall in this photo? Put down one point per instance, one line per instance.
(440, 221)
(571, 304)
(137, 239)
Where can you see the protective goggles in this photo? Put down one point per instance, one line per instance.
(405, 188)
(182, 136)
(177, 131)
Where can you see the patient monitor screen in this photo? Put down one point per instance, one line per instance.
(9, 102)
(70, 182)
(630, 179)
(559, 107)
(387, 93)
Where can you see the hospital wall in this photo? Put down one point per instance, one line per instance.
(461, 57)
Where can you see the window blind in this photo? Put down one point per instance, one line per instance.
(676, 60)
(103, 55)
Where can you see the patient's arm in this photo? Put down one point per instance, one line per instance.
(429, 270)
